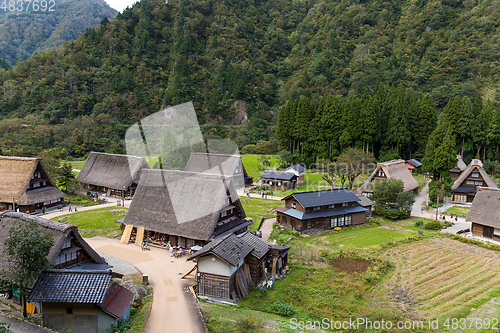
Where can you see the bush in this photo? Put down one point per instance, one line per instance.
(433, 225)
(419, 224)
(395, 214)
(447, 224)
(284, 310)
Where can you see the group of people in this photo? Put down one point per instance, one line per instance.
(443, 217)
(76, 209)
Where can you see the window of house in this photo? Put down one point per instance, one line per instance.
(341, 221)
(348, 220)
(460, 198)
(44, 183)
(33, 176)
(36, 185)
(293, 205)
(470, 182)
(279, 183)
(223, 214)
(331, 206)
(67, 243)
(478, 182)
(345, 204)
(333, 222)
(475, 174)
(69, 311)
(317, 208)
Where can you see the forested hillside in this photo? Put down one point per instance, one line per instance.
(25, 29)
(239, 60)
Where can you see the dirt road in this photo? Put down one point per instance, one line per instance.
(174, 307)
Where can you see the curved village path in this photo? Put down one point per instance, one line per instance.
(17, 326)
(174, 308)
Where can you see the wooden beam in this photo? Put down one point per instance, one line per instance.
(192, 269)
(126, 234)
(140, 236)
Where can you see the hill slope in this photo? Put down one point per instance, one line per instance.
(262, 52)
(24, 33)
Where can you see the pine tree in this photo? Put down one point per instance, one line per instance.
(332, 121)
(445, 156)
(426, 122)
(399, 136)
(368, 119)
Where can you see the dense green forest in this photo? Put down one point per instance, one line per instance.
(241, 61)
(25, 30)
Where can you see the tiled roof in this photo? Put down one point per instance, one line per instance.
(260, 247)
(117, 299)
(70, 286)
(414, 162)
(297, 167)
(324, 213)
(277, 175)
(325, 197)
(230, 248)
(364, 201)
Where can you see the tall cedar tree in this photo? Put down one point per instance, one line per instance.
(399, 136)
(426, 122)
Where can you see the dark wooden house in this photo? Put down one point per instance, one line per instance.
(459, 168)
(278, 180)
(321, 210)
(366, 203)
(69, 247)
(25, 183)
(112, 174)
(79, 300)
(484, 213)
(228, 267)
(299, 171)
(395, 169)
(183, 208)
(465, 186)
(220, 164)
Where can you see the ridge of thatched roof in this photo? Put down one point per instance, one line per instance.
(112, 170)
(461, 164)
(59, 231)
(485, 207)
(475, 164)
(219, 164)
(180, 203)
(393, 169)
(15, 177)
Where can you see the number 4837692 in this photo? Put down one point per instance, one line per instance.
(28, 5)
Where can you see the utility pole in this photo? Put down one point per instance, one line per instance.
(13, 205)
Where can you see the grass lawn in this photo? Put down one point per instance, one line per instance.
(261, 207)
(77, 164)
(98, 222)
(458, 210)
(256, 222)
(251, 163)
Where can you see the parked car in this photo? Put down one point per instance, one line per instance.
(93, 194)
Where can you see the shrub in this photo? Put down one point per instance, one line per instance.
(419, 224)
(337, 228)
(284, 310)
(433, 225)
(395, 214)
(447, 224)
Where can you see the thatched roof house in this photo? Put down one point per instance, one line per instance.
(220, 164)
(186, 207)
(465, 186)
(112, 173)
(457, 170)
(485, 213)
(392, 169)
(26, 181)
(69, 247)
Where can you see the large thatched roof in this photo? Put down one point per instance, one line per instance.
(393, 169)
(111, 170)
(15, 177)
(181, 203)
(485, 208)
(475, 164)
(59, 231)
(219, 164)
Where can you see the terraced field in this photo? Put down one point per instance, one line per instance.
(439, 278)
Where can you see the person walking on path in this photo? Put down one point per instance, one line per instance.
(70, 207)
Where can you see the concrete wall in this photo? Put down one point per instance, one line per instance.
(234, 269)
(104, 321)
(217, 267)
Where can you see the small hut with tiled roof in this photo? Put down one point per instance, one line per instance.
(26, 183)
(392, 169)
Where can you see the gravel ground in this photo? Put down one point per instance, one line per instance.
(120, 266)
